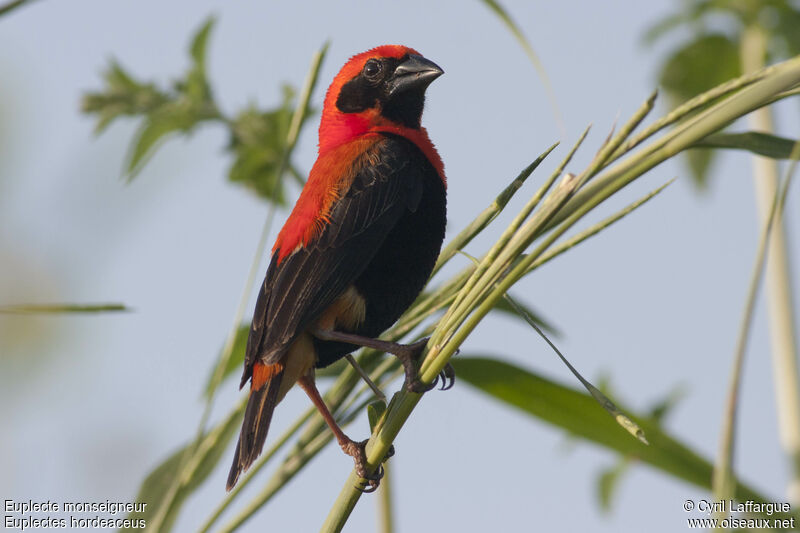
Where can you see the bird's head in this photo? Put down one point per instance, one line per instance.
(381, 87)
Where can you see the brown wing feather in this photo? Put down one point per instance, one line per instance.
(299, 288)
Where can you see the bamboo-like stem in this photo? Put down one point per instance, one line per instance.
(385, 503)
(554, 215)
(698, 102)
(265, 457)
(778, 78)
(489, 268)
(593, 230)
(487, 215)
(188, 466)
(723, 482)
(778, 286)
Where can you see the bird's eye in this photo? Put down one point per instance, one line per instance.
(372, 69)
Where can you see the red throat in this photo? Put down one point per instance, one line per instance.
(342, 137)
(337, 128)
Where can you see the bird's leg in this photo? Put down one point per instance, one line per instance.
(408, 354)
(354, 449)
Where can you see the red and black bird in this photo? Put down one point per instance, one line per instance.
(358, 247)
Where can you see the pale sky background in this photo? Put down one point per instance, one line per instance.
(92, 403)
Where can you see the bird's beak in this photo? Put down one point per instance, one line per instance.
(416, 72)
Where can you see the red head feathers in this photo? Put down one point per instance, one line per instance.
(357, 110)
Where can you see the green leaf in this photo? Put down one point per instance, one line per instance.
(258, 143)
(782, 25)
(688, 14)
(122, 96)
(699, 162)
(196, 86)
(375, 411)
(200, 40)
(170, 118)
(579, 414)
(608, 481)
(756, 142)
(236, 359)
(158, 482)
(21, 309)
(11, 6)
(663, 407)
(693, 68)
(332, 370)
(515, 30)
(504, 306)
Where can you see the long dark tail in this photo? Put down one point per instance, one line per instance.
(266, 382)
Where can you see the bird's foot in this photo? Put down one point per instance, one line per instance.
(357, 450)
(410, 356)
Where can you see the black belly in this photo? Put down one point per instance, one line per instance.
(400, 269)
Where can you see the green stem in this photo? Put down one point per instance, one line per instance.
(385, 508)
(7, 8)
(449, 336)
(778, 278)
(187, 464)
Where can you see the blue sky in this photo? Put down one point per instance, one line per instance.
(93, 403)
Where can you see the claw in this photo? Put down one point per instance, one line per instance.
(419, 387)
(369, 482)
(448, 377)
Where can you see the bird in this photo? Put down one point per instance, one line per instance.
(357, 248)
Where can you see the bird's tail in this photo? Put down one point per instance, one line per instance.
(265, 384)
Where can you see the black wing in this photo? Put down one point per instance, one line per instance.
(298, 289)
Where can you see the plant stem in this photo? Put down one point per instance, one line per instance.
(11, 6)
(778, 285)
(552, 214)
(385, 509)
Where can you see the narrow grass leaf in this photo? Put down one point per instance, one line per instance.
(525, 312)
(480, 222)
(157, 484)
(724, 481)
(11, 6)
(608, 481)
(232, 363)
(576, 413)
(756, 142)
(31, 309)
(503, 15)
(621, 418)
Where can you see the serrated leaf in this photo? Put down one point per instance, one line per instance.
(259, 144)
(171, 118)
(693, 68)
(756, 142)
(196, 87)
(159, 481)
(122, 96)
(200, 40)
(578, 413)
